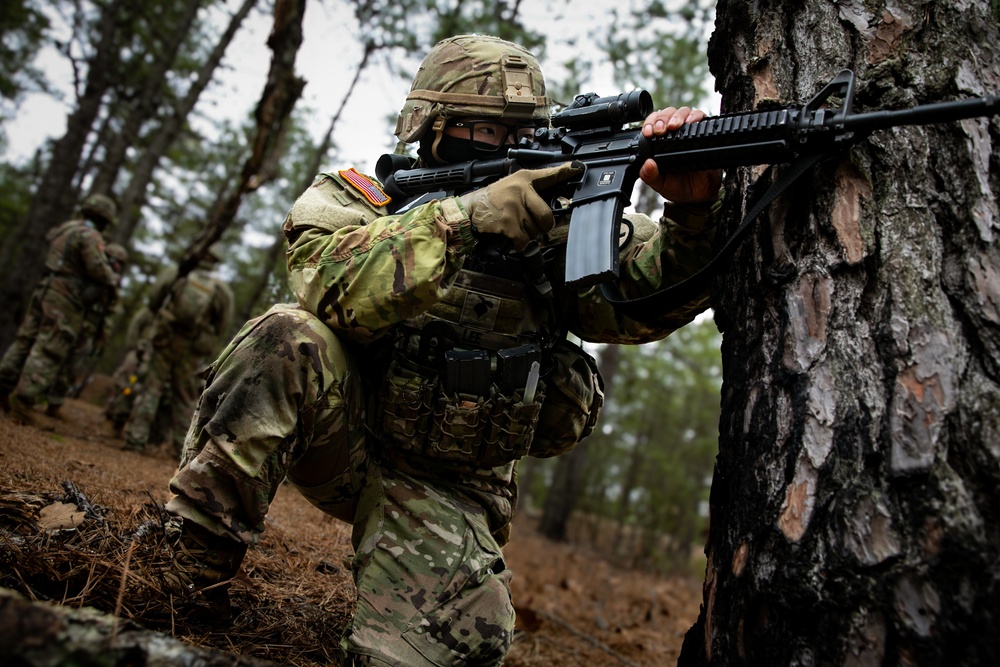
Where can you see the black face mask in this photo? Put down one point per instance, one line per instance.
(452, 150)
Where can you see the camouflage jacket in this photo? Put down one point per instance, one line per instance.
(76, 258)
(364, 272)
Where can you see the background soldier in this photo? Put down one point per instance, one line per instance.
(399, 394)
(126, 376)
(77, 266)
(102, 307)
(189, 317)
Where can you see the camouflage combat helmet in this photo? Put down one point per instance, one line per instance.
(473, 75)
(100, 206)
(213, 254)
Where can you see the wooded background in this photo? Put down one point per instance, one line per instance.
(854, 504)
(142, 131)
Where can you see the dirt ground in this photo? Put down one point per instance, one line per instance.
(573, 607)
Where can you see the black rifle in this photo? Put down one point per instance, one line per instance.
(592, 131)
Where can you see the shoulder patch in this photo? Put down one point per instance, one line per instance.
(365, 186)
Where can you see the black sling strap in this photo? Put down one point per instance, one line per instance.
(647, 308)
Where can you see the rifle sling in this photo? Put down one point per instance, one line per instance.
(648, 307)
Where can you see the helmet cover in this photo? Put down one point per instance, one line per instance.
(214, 253)
(473, 75)
(100, 206)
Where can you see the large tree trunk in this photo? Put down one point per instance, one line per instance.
(23, 253)
(561, 499)
(281, 91)
(134, 196)
(270, 262)
(855, 505)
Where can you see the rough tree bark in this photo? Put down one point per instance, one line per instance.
(855, 504)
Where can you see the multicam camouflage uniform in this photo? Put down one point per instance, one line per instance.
(102, 307)
(77, 265)
(173, 352)
(126, 376)
(344, 396)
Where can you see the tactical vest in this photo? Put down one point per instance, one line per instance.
(460, 386)
(63, 247)
(190, 301)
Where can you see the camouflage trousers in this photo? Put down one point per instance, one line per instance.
(284, 400)
(126, 377)
(32, 365)
(78, 363)
(168, 382)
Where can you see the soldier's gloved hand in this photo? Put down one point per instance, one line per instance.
(513, 207)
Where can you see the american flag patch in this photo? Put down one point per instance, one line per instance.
(372, 192)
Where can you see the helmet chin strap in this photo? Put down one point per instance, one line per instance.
(438, 128)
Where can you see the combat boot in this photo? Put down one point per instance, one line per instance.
(21, 409)
(203, 565)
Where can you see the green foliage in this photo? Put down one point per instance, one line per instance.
(398, 30)
(659, 440)
(501, 18)
(15, 196)
(22, 30)
(661, 46)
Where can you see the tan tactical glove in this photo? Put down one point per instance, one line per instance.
(512, 206)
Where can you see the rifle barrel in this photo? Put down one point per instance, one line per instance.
(921, 115)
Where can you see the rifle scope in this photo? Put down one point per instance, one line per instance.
(588, 111)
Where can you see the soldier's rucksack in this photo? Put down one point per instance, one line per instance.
(190, 300)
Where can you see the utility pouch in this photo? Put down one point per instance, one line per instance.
(467, 372)
(456, 431)
(575, 395)
(513, 366)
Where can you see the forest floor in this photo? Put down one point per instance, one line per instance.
(295, 591)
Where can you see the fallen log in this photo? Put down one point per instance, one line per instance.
(42, 634)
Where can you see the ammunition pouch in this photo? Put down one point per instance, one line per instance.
(417, 414)
(473, 416)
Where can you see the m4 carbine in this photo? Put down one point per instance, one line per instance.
(594, 132)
